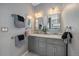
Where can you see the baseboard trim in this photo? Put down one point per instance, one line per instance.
(25, 53)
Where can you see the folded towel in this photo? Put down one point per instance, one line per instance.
(19, 40)
(21, 37)
(65, 34)
(20, 18)
(19, 21)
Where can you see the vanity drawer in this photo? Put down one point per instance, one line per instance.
(55, 41)
(31, 37)
(41, 39)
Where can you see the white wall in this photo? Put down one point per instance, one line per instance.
(7, 45)
(71, 18)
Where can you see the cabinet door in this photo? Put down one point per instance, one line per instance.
(36, 49)
(59, 50)
(31, 43)
(42, 48)
(50, 50)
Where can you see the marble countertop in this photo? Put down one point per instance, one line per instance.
(47, 36)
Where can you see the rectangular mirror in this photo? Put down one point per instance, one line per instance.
(48, 24)
(54, 23)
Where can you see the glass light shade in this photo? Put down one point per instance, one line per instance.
(39, 14)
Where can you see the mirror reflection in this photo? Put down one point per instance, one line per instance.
(54, 22)
(50, 23)
(39, 23)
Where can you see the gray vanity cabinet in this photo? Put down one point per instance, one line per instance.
(55, 47)
(46, 46)
(36, 45)
(50, 50)
(33, 44)
(55, 50)
(42, 46)
(59, 50)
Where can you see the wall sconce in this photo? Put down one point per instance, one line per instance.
(39, 14)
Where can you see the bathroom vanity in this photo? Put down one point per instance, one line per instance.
(47, 40)
(46, 45)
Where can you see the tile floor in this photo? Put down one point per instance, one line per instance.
(31, 54)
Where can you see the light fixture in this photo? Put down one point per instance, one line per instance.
(50, 11)
(29, 17)
(54, 10)
(38, 14)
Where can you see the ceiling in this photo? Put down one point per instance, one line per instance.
(35, 4)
